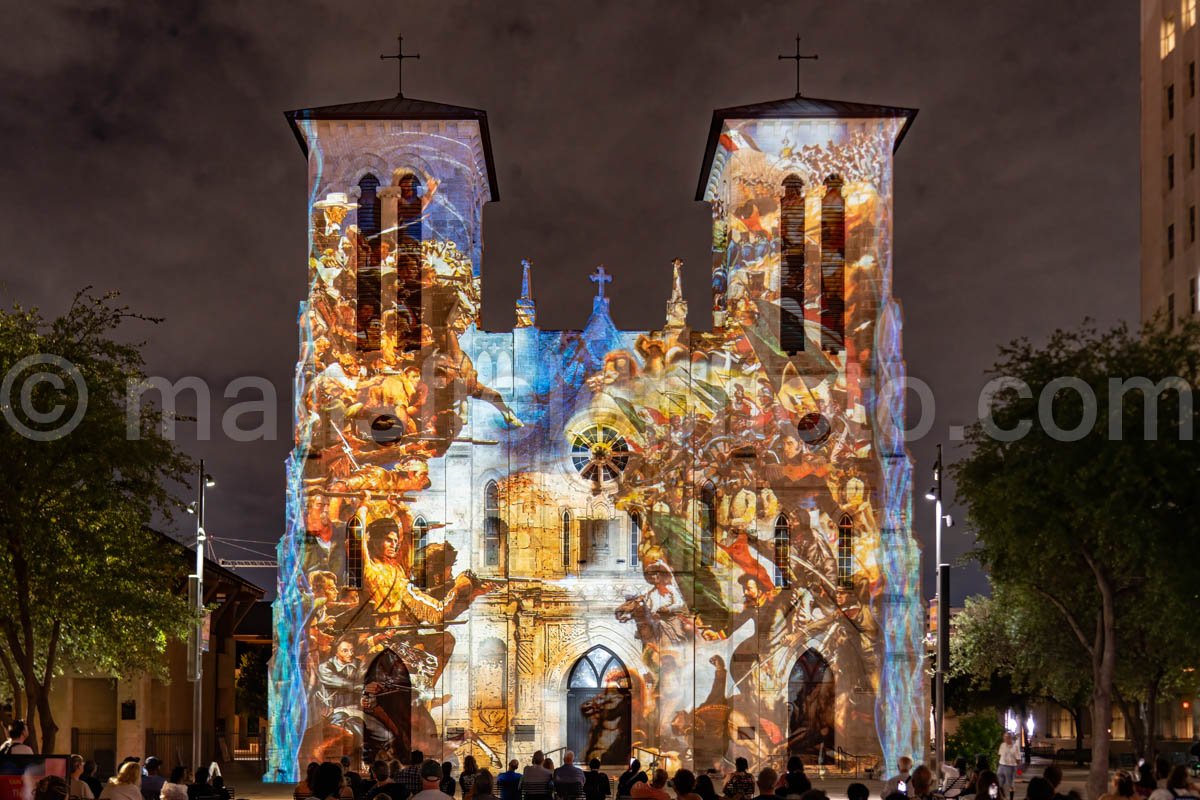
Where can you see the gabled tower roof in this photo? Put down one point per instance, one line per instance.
(797, 107)
(400, 107)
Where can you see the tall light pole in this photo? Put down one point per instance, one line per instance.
(196, 581)
(943, 623)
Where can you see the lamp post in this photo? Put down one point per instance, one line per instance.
(942, 652)
(196, 581)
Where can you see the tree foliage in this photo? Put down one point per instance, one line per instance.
(1098, 524)
(976, 735)
(83, 579)
(251, 685)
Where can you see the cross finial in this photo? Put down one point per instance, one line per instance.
(400, 56)
(798, 58)
(600, 277)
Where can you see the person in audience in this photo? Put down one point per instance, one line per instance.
(983, 786)
(447, 784)
(51, 787)
(328, 781)
(89, 777)
(303, 789)
(921, 785)
(892, 784)
(684, 784)
(740, 785)
(410, 776)
(76, 788)
(568, 779)
(857, 791)
(768, 779)
(548, 763)
(126, 784)
(656, 789)
(537, 780)
(483, 787)
(350, 777)
(176, 786)
(18, 732)
(509, 782)
(466, 780)
(1146, 784)
(705, 788)
(629, 777)
(152, 782)
(958, 779)
(1162, 771)
(596, 785)
(1179, 785)
(1041, 789)
(431, 779)
(794, 782)
(814, 794)
(384, 787)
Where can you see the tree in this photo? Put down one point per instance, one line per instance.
(251, 684)
(1014, 639)
(1086, 500)
(82, 581)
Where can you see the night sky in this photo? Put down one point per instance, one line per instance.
(145, 150)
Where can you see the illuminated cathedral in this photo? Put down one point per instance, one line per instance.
(673, 545)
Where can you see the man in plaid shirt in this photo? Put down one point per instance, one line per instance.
(410, 776)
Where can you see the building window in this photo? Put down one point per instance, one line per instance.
(408, 260)
(1170, 242)
(1171, 310)
(491, 524)
(1171, 101)
(708, 506)
(791, 281)
(1192, 309)
(1167, 41)
(566, 540)
(783, 551)
(1170, 172)
(635, 538)
(833, 266)
(420, 551)
(845, 552)
(368, 279)
(1189, 14)
(354, 553)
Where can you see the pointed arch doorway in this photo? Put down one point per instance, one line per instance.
(811, 707)
(387, 709)
(600, 708)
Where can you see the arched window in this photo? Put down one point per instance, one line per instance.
(791, 280)
(367, 250)
(420, 551)
(566, 540)
(635, 538)
(491, 525)
(783, 551)
(845, 552)
(833, 266)
(408, 259)
(354, 553)
(708, 507)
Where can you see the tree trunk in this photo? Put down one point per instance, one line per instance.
(1151, 720)
(31, 706)
(1077, 721)
(49, 726)
(1104, 664)
(1134, 726)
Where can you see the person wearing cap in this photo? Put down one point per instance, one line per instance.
(152, 782)
(431, 776)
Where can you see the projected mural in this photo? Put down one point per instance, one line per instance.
(676, 545)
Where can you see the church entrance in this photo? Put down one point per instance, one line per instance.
(387, 709)
(599, 708)
(810, 708)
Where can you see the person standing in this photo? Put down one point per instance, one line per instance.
(18, 732)
(466, 780)
(596, 785)
(509, 783)
(1010, 757)
(410, 776)
(447, 783)
(740, 785)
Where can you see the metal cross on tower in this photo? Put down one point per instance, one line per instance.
(600, 277)
(400, 56)
(798, 58)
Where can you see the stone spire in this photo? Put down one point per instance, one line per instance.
(526, 309)
(676, 306)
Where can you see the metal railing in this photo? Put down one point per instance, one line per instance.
(99, 746)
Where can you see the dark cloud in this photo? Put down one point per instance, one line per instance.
(145, 151)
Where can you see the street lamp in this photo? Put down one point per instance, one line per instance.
(943, 622)
(197, 584)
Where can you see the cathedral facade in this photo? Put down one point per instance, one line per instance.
(670, 545)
